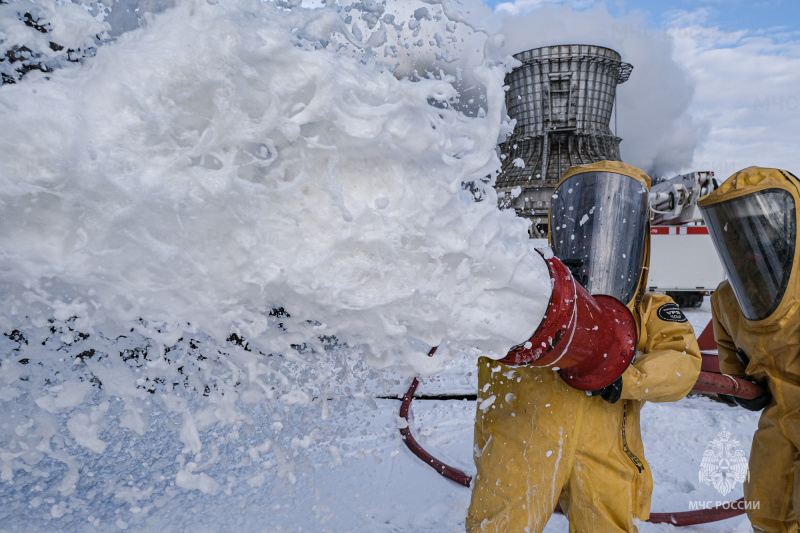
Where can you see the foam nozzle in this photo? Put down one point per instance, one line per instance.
(589, 340)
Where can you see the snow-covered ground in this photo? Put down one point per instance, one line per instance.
(329, 466)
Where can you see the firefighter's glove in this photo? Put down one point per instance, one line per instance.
(755, 404)
(758, 403)
(578, 270)
(611, 393)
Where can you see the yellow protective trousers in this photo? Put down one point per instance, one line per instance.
(772, 491)
(539, 441)
(531, 452)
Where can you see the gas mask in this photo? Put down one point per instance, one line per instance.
(599, 227)
(753, 224)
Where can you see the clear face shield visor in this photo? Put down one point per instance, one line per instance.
(599, 220)
(755, 237)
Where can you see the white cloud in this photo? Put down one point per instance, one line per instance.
(747, 88)
(521, 7)
(683, 18)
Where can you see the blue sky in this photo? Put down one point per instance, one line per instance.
(731, 98)
(728, 15)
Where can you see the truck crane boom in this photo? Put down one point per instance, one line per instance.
(683, 261)
(674, 201)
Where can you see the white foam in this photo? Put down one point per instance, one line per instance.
(244, 168)
(212, 165)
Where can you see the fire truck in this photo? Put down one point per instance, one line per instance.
(683, 261)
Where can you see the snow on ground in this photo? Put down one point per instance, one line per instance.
(326, 466)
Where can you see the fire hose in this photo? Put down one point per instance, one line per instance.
(591, 340)
(706, 382)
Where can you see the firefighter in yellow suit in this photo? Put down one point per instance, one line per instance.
(538, 441)
(752, 218)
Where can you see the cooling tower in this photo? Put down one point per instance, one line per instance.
(562, 98)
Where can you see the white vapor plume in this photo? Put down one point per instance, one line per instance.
(658, 133)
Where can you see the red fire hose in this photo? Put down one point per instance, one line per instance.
(446, 470)
(707, 382)
(722, 384)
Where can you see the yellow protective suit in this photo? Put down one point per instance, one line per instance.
(539, 441)
(773, 347)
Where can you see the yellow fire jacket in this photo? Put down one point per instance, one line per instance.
(772, 345)
(774, 353)
(539, 441)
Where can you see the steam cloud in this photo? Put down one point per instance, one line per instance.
(658, 133)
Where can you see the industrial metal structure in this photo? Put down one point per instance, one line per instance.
(562, 98)
(683, 260)
(673, 201)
